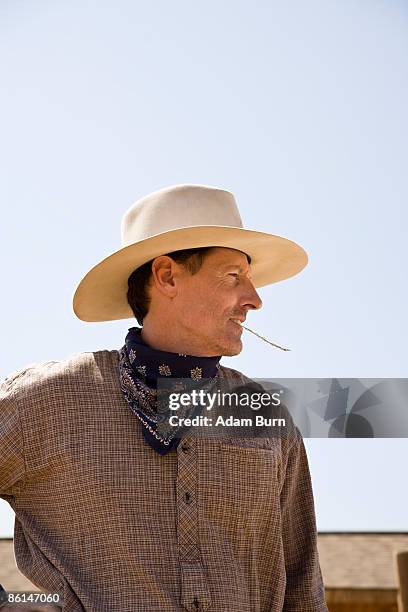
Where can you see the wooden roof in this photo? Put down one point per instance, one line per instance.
(360, 560)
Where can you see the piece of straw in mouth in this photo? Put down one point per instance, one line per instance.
(264, 339)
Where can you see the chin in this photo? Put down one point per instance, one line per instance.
(231, 349)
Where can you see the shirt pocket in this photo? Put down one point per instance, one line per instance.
(241, 495)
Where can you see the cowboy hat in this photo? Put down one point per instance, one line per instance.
(172, 219)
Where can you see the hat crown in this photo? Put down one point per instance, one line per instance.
(176, 207)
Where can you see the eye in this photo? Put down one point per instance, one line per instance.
(235, 276)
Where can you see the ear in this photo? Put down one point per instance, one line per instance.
(164, 272)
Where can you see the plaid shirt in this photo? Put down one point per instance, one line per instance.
(225, 524)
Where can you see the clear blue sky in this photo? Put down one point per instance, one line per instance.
(298, 108)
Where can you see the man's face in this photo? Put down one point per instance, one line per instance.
(207, 302)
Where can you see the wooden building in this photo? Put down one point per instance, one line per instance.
(359, 570)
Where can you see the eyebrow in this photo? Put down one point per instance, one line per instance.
(240, 268)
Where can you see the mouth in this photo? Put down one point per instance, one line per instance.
(238, 322)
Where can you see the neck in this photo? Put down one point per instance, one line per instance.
(164, 336)
(154, 363)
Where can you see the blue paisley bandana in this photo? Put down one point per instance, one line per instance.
(140, 368)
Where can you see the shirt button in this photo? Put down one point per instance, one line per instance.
(188, 497)
(186, 447)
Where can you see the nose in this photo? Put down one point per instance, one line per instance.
(251, 300)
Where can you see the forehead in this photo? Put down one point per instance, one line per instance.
(223, 258)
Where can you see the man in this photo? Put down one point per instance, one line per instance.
(114, 513)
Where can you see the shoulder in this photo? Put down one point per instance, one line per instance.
(234, 375)
(240, 380)
(244, 384)
(76, 369)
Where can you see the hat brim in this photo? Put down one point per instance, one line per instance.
(101, 294)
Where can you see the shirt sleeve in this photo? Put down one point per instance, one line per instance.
(12, 468)
(304, 584)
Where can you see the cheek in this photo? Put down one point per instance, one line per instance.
(195, 306)
(213, 308)
(203, 307)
